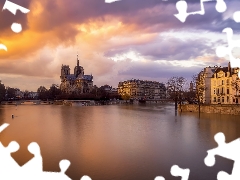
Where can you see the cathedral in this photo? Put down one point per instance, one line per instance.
(76, 83)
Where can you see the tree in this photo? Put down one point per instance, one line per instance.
(11, 93)
(126, 97)
(175, 89)
(235, 86)
(2, 91)
(42, 93)
(26, 94)
(102, 93)
(200, 87)
(54, 91)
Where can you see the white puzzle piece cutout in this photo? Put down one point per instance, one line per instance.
(111, 1)
(3, 126)
(85, 178)
(182, 6)
(159, 178)
(177, 171)
(222, 51)
(230, 151)
(63, 164)
(12, 7)
(2, 46)
(33, 169)
(16, 27)
(7, 163)
(236, 16)
(34, 165)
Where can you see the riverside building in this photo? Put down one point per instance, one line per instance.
(138, 89)
(221, 85)
(225, 85)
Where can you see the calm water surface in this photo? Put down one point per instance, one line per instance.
(119, 142)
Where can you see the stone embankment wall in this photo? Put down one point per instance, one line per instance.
(233, 109)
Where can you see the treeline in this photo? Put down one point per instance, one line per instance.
(8, 93)
(54, 93)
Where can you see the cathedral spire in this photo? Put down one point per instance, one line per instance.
(77, 60)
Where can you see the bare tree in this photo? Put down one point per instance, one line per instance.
(26, 94)
(175, 89)
(235, 86)
(190, 91)
(200, 88)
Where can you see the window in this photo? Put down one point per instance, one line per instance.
(227, 98)
(217, 90)
(227, 81)
(214, 99)
(227, 91)
(214, 83)
(222, 99)
(222, 82)
(222, 90)
(214, 91)
(218, 99)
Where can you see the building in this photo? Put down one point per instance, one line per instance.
(204, 84)
(225, 86)
(76, 83)
(138, 89)
(218, 85)
(110, 91)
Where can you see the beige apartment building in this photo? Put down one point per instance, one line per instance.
(205, 81)
(138, 89)
(221, 85)
(225, 86)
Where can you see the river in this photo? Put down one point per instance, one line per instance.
(119, 142)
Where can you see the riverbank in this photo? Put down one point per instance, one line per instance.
(231, 109)
(81, 102)
(66, 102)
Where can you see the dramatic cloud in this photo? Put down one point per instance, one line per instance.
(116, 41)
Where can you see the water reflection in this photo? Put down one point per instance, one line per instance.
(119, 142)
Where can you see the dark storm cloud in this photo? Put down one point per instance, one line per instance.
(157, 70)
(150, 15)
(176, 49)
(168, 49)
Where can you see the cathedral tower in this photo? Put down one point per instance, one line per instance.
(78, 70)
(64, 71)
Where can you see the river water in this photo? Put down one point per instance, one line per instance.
(119, 142)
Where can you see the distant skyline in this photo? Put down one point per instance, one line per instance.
(139, 39)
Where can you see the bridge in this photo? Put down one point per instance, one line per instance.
(78, 102)
(152, 100)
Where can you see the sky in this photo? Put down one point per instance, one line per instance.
(127, 39)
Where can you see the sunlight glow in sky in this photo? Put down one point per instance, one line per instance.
(115, 41)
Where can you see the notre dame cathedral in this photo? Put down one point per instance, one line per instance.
(76, 83)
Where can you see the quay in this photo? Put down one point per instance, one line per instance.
(231, 109)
